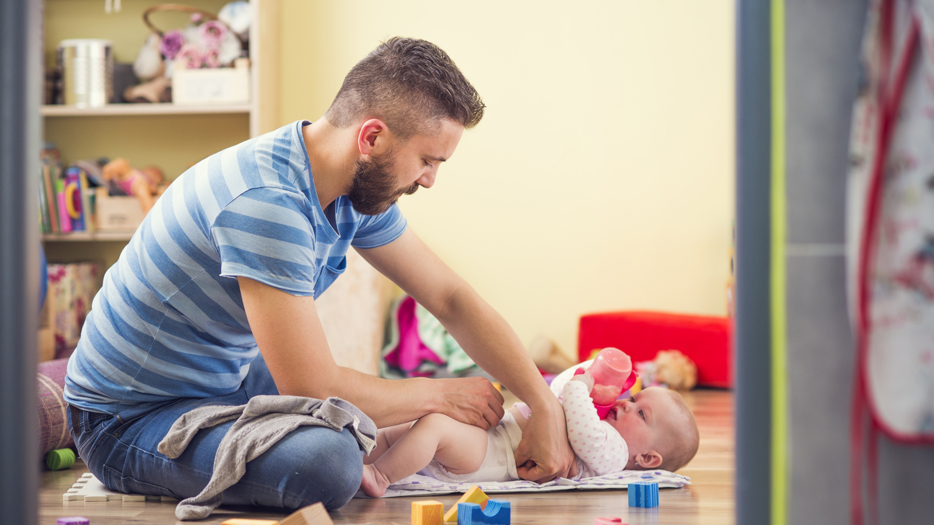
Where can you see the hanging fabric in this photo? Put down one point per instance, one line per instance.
(890, 237)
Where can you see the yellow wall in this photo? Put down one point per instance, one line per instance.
(601, 177)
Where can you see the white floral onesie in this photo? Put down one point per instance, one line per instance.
(599, 448)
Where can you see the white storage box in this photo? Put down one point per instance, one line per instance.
(226, 85)
(117, 213)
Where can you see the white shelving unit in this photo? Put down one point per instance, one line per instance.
(89, 236)
(262, 109)
(141, 110)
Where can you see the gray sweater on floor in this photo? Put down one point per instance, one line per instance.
(261, 423)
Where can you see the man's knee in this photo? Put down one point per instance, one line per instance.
(329, 470)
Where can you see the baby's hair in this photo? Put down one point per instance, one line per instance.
(681, 445)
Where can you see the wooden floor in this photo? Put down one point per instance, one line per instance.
(709, 500)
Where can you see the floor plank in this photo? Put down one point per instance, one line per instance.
(708, 500)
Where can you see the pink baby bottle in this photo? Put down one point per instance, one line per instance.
(611, 371)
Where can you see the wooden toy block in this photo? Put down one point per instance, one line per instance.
(643, 494)
(474, 495)
(608, 521)
(496, 512)
(427, 512)
(311, 515)
(241, 521)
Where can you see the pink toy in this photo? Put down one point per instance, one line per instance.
(612, 375)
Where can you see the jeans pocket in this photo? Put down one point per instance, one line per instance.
(93, 419)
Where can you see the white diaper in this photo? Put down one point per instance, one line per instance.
(499, 463)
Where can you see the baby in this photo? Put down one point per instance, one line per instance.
(653, 430)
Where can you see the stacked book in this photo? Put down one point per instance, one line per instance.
(66, 196)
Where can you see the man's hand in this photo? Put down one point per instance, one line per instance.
(544, 452)
(471, 400)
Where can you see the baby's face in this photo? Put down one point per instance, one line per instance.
(641, 419)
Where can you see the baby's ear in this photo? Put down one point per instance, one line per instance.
(649, 460)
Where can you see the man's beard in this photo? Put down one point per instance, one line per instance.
(373, 190)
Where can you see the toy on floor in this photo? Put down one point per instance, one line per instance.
(608, 521)
(427, 512)
(73, 520)
(547, 356)
(88, 488)
(643, 494)
(496, 512)
(141, 183)
(60, 459)
(670, 368)
(311, 515)
(474, 495)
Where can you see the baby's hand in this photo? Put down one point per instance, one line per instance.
(582, 375)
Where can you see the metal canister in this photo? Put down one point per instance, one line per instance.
(87, 71)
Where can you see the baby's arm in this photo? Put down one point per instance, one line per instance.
(595, 442)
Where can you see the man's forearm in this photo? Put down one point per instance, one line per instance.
(386, 401)
(493, 344)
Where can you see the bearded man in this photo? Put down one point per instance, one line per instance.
(213, 300)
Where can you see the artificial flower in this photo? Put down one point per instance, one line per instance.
(211, 34)
(230, 49)
(210, 58)
(188, 57)
(172, 42)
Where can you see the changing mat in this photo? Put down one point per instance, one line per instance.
(418, 485)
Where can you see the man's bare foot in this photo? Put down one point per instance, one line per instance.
(374, 483)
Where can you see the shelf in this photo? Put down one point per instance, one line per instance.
(88, 236)
(112, 110)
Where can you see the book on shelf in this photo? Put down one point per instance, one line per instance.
(66, 197)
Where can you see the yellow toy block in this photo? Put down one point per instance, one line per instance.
(636, 387)
(427, 512)
(474, 495)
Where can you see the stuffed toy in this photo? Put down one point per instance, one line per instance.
(141, 183)
(670, 368)
(547, 356)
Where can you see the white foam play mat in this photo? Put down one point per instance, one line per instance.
(418, 485)
(89, 488)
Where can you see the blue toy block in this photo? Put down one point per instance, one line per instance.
(643, 494)
(496, 512)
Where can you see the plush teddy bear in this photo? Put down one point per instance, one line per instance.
(670, 368)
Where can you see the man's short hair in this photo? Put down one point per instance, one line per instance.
(409, 84)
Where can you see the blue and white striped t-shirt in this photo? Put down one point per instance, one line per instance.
(169, 321)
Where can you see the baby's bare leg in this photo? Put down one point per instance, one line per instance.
(461, 448)
(385, 439)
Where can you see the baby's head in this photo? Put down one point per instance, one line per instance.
(658, 427)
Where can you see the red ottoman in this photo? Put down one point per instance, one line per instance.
(706, 340)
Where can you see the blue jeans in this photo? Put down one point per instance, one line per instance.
(309, 465)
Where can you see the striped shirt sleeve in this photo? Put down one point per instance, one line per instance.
(264, 235)
(378, 230)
